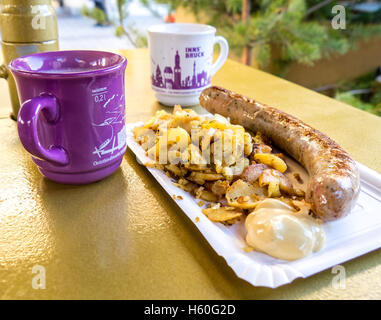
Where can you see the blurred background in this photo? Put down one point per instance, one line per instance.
(294, 39)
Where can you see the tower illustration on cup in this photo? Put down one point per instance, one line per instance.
(182, 61)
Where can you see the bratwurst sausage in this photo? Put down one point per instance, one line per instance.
(334, 182)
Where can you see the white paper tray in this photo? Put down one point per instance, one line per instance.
(347, 238)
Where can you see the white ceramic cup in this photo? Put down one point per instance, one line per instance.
(182, 61)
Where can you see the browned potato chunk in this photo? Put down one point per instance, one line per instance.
(206, 195)
(219, 187)
(275, 182)
(243, 195)
(271, 160)
(227, 215)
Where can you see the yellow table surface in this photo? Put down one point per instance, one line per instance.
(124, 238)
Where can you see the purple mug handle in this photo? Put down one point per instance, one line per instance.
(27, 128)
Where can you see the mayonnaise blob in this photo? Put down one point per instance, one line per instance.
(276, 229)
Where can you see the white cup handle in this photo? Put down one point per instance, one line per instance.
(224, 51)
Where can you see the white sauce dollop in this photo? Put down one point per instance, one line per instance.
(276, 229)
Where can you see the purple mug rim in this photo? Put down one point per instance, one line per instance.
(102, 70)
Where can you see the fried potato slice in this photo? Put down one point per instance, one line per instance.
(271, 160)
(156, 150)
(276, 183)
(260, 148)
(206, 195)
(259, 138)
(186, 185)
(179, 136)
(219, 187)
(201, 176)
(243, 195)
(176, 170)
(217, 122)
(248, 144)
(184, 118)
(144, 135)
(227, 215)
(196, 157)
(304, 208)
(271, 179)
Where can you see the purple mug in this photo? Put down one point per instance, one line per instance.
(72, 118)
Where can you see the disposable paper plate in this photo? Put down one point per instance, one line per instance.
(346, 238)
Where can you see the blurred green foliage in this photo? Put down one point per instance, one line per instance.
(122, 29)
(95, 13)
(363, 93)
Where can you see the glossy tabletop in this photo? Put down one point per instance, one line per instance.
(124, 237)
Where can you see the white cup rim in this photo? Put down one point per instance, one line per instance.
(181, 29)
